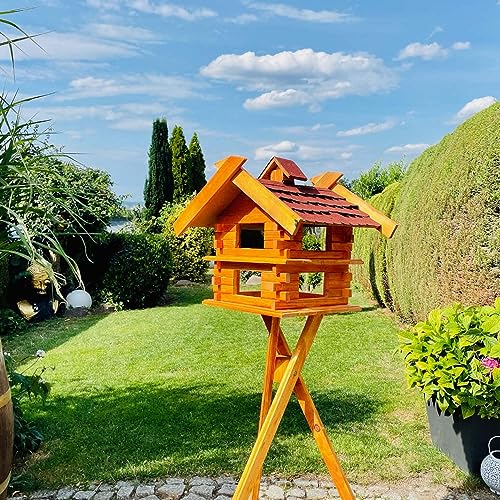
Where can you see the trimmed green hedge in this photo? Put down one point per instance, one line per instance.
(447, 246)
(370, 246)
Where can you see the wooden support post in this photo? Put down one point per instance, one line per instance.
(284, 366)
(316, 425)
(267, 390)
(277, 408)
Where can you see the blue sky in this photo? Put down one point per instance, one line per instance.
(333, 85)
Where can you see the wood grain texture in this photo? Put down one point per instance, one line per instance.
(279, 313)
(216, 195)
(388, 226)
(6, 429)
(313, 418)
(267, 201)
(277, 408)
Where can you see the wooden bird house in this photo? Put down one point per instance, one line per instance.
(261, 225)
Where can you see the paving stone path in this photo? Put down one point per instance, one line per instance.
(222, 488)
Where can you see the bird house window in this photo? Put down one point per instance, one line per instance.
(314, 238)
(311, 284)
(252, 236)
(249, 283)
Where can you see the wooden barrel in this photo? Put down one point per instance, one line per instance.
(6, 429)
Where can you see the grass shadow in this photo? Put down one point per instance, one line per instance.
(186, 296)
(199, 429)
(48, 334)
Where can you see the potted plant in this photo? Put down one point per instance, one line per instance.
(454, 359)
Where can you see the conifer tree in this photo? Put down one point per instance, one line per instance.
(181, 165)
(197, 164)
(159, 186)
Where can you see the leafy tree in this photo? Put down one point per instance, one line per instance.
(159, 186)
(181, 165)
(198, 165)
(377, 178)
(92, 205)
(187, 250)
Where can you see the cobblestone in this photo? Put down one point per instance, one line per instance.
(271, 488)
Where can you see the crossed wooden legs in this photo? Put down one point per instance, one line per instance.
(284, 366)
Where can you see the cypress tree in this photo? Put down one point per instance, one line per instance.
(181, 165)
(159, 186)
(197, 164)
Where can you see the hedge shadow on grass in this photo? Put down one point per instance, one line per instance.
(153, 431)
(49, 334)
(187, 296)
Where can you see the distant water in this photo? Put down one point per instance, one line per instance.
(117, 224)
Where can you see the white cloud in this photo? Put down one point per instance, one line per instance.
(315, 16)
(166, 9)
(159, 8)
(369, 128)
(302, 77)
(435, 31)
(71, 47)
(429, 51)
(126, 116)
(277, 99)
(104, 4)
(306, 129)
(424, 51)
(242, 19)
(159, 86)
(307, 152)
(121, 32)
(473, 107)
(407, 148)
(461, 46)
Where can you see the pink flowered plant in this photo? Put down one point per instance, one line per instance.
(490, 363)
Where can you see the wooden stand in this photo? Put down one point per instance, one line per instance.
(284, 366)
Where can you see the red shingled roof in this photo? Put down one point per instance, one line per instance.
(319, 206)
(291, 169)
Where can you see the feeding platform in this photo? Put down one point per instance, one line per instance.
(261, 226)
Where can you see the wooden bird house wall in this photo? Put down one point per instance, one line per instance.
(279, 257)
(259, 226)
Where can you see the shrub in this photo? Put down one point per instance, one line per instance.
(139, 269)
(24, 386)
(377, 178)
(447, 246)
(371, 247)
(188, 249)
(11, 323)
(454, 359)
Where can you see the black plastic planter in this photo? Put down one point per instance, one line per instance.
(465, 441)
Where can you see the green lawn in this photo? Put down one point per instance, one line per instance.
(176, 390)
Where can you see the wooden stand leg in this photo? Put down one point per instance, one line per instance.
(277, 408)
(316, 425)
(267, 390)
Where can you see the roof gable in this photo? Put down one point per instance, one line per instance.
(325, 203)
(290, 170)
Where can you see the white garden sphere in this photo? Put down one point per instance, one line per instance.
(79, 298)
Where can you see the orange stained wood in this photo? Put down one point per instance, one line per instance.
(312, 416)
(260, 258)
(282, 313)
(197, 213)
(267, 385)
(266, 200)
(388, 226)
(277, 409)
(326, 180)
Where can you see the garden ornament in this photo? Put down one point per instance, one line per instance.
(38, 305)
(490, 468)
(259, 227)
